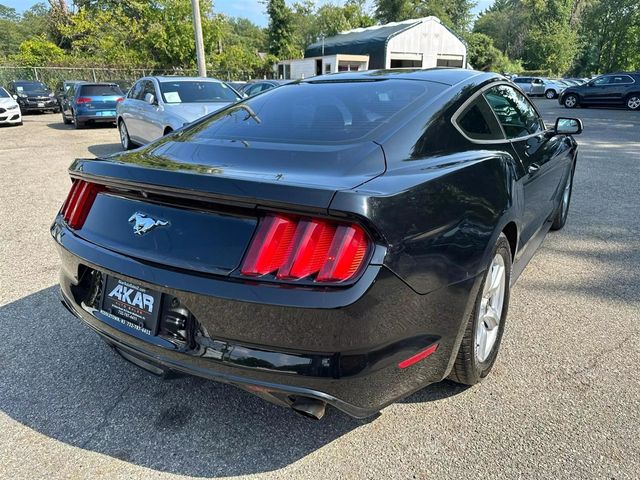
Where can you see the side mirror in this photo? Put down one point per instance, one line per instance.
(15, 97)
(150, 98)
(568, 126)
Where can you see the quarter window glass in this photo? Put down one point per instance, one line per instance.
(621, 79)
(478, 121)
(516, 115)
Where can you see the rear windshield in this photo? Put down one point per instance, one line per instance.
(100, 90)
(196, 92)
(318, 112)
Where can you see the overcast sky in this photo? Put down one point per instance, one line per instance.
(251, 9)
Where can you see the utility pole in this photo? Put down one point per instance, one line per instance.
(197, 28)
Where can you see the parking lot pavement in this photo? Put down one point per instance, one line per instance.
(563, 400)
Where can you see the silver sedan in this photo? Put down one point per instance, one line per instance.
(156, 106)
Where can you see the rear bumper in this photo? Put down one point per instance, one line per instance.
(96, 118)
(341, 346)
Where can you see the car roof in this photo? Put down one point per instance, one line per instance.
(447, 76)
(169, 78)
(90, 84)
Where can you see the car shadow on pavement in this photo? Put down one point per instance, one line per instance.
(104, 149)
(97, 126)
(59, 379)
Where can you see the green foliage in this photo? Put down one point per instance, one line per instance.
(280, 30)
(483, 55)
(456, 14)
(17, 28)
(38, 51)
(393, 10)
(311, 24)
(610, 34)
(581, 37)
(548, 35)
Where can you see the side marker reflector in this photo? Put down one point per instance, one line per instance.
(418, 356)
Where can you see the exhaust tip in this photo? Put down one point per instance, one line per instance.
(309, 407)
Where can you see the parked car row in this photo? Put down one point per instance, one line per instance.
(151, 107)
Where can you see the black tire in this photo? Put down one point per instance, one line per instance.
(562, 213)
(633, 102)
(467, 368)
(167, 131)
(77, 124)
(125, 140)
(571, 101)
(65, 120)
(550, 94)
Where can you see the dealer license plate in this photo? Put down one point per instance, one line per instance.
(132, 305)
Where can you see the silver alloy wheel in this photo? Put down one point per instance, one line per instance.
(124, 135)
(490, 311)
(551, 94)
(570, 101)
(633, 103)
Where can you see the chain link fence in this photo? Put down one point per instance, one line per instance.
(52, 76)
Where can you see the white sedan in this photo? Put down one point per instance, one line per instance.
(9, 109)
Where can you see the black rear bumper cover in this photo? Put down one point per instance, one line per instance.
(340, 347)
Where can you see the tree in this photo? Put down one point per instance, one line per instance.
(279, 32)
(311, 24)
(456, 14)
(551, 43)
(387, 11)
(38, 51)
(483, 55)
(610, 36)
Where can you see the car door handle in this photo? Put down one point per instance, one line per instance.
(533, 168)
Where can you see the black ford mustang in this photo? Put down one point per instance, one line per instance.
(346, 239)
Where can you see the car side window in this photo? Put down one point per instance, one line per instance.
(257, 88)
(515, 113)
(135, 91)
(478, 122)
(601, 81)
(621, 79)
(149, 88)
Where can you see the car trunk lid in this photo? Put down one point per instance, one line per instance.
(195, 206)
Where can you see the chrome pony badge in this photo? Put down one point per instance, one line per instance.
(143, 223)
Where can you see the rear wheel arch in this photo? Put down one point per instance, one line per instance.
(167, 130)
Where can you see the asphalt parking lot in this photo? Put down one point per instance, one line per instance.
(563, 400)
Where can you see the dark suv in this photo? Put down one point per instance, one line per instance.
(33, 96)
(610, 89)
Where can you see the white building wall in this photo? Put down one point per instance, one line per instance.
(303, 68)
(430, 38)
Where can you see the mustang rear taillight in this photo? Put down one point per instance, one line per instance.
(78, 203)
(296, 248)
